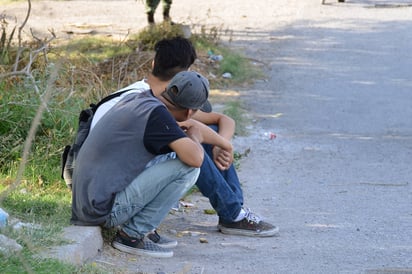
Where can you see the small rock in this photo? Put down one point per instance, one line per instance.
(216, 58)
(19, 225)
(203, 240)
(8, 245)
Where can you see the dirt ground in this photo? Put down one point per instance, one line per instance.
(328, 177)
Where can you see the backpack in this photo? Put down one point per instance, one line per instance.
(70, 152)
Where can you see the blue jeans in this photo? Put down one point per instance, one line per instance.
(221, 187)
(143, 204)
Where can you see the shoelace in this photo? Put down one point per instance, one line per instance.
(252, 217)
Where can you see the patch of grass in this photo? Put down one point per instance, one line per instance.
(17, 109)
(40, 212)
(241, 69)
(39, 205)
(147, 38)
(5, 42)
(34, 237)
(236, 111)
(228, 102)
(26, 262)
(41, 215)
(206, 40)
(95, 49)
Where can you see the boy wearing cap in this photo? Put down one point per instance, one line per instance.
(218, 179)
(112, 185)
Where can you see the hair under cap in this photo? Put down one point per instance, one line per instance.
(190, 90)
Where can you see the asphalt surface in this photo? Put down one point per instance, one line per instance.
(337, 177)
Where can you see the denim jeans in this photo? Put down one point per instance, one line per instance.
(143, 204)
(221, 187)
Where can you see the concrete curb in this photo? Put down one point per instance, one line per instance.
(86, 243)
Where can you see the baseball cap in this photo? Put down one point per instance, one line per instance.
(190, 90)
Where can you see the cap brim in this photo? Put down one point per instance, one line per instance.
(207, 107)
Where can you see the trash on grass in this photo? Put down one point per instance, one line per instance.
(227, 75)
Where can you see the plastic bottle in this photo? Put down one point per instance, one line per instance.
(3, 218)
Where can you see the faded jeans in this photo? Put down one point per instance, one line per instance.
(221, 187)
(143, 204)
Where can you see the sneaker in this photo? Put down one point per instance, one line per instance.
(161, 241)
(137, 246)
(251, 225)
(167, 18)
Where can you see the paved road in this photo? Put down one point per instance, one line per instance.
(338, 177)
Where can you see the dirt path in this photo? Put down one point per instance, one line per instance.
(336, 179)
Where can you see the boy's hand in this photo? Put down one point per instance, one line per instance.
(222, 158)
(192, 129)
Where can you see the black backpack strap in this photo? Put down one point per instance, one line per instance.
(108, 98)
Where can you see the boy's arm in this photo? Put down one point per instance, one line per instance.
(225, 124)
(207, 135)
(189, 151)
(222, 148)
(226, 128)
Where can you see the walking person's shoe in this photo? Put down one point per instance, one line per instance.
(250, 225)
(169, 20)
(161, 241)
(137, 246)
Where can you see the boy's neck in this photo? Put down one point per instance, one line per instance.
(156, 85)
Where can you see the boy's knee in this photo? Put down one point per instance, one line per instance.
(192, 175)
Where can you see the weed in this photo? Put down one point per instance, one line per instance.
(27, 262)
(154, 33)
(5, 42)
(236, 111)
(94, 49)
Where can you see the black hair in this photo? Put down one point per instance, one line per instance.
(172, 56)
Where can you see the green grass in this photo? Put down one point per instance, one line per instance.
(149, 36)
(26, 262)
(34, 204)
(94, 49)
(236, 111)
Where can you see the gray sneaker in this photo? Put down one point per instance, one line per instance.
(161, 241)
(251, 225)
(137, 246)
